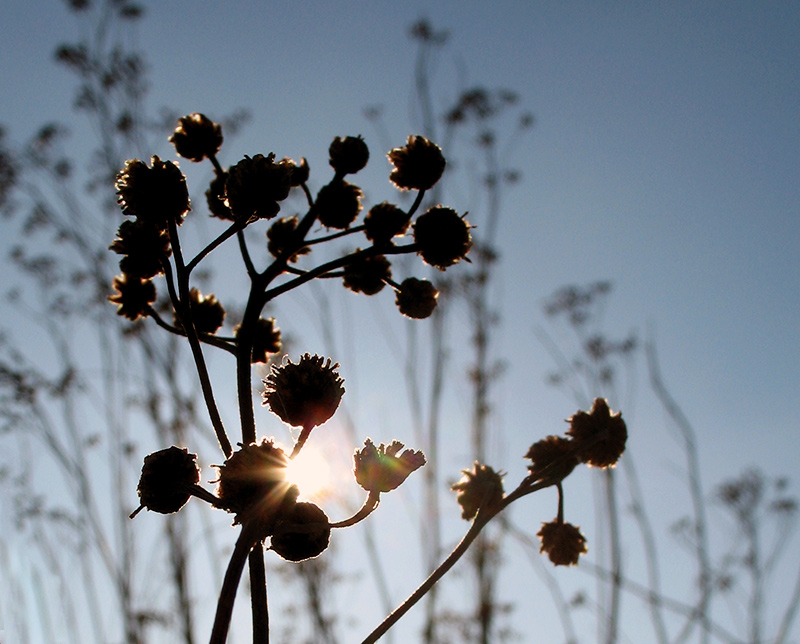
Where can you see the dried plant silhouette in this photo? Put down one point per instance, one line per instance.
(252, 482)
(162, 423)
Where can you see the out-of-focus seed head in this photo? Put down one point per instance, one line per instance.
(197, 137)
(207, 313)
(367, 275)
(266, 340)
(416, 298)
(383, 222)
(443, 237)
(348, 155)
(133, 296)
(479, 488)
(303, 533)
(305, 393)
(281, 238)
(418, 165)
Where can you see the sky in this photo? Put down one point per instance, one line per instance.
(665, 158)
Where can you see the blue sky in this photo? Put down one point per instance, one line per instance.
(665, 158)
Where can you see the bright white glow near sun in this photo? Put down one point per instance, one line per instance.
(310, 472)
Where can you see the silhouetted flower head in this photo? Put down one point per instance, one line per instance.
(563, 543)
(443, 237)
(383, 222)
(256, 185)
(197, 137)
(303, 532)
(156, 194)
(266, 340)
(281, 238)
(133, 296)
(418, 165)
(252, 484)
(348, 155)
(480, 487)
(300, 172)
(416, 298)
(552, 458)
(215, 198)
(167, 476)
(207, 313)
(367, 275)
(305, 393)
(599, 436)
(143, 246)
(338, 204)
(380, 469)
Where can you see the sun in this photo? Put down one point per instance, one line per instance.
(310, 472)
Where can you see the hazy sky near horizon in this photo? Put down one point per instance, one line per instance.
(665, 158)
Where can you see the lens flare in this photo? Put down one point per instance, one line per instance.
(310, 472)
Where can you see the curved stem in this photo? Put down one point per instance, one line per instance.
(436, 575)
(485, 514)
(368, 508)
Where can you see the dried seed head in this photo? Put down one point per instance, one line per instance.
(338, 204)
(383, 222)
(143, 246)
(380, 469)
(207, 313)
(443, 237)
(306, 393)
(599, 436)
(416, 298)
(252, 484)
(481, 487)
(196, 137)
(167, 475)
(267, 339)
(348, 155)
(552, 458)
(367, 275)
(303, 532)
(281, 238)
(563, 543)
(156, 194)
(418, 165)
(256, 185)
(133, 297)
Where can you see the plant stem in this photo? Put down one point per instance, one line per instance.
(184, 313)
(479, 522)
(227, 594)
(258, 595)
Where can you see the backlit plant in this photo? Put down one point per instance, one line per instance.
(252, 484)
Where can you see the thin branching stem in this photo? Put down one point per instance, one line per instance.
(183, 307)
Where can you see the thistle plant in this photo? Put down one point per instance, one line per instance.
(252, 482)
